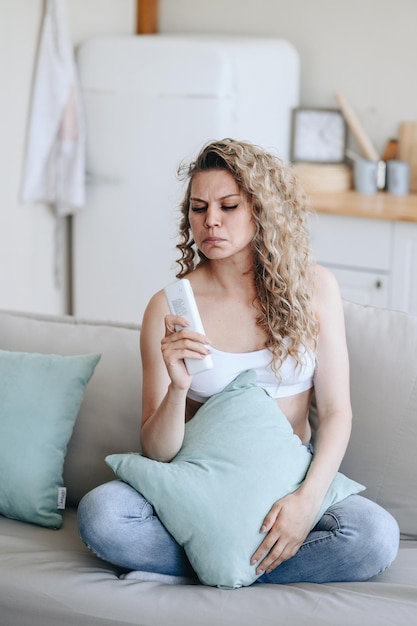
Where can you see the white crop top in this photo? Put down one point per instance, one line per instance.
(228, 365)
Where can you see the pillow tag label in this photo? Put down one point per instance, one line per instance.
(62, 497)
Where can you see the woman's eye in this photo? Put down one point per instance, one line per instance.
(201, 208)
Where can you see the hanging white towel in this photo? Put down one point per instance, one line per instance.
(55, 159)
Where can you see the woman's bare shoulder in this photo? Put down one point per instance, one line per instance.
(157, 305)
(153, 317)
(325, 290)
(323, 279)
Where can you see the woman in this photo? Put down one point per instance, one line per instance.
(264, 306)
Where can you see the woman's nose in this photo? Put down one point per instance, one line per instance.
(213, 216)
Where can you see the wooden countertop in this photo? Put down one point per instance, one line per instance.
(383, 206)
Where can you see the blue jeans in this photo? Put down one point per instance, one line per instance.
(355, 539)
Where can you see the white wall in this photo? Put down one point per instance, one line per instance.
(365, 48)
(27, 238)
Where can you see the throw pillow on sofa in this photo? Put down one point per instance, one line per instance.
(238, 457)
(40, 396)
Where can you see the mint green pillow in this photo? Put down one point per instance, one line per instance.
(40, 396)
(239, 456)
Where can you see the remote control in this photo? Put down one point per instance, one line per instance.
(181, 301)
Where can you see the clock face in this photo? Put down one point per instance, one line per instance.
(319, 136)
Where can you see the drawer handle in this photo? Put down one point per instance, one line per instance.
(378, 284)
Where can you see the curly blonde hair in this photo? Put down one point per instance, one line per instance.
(282, 262)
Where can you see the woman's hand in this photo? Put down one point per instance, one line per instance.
(178, 345)
(286, 526)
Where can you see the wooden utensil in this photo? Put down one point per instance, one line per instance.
(357, 129)
(407, 149)
(391, 150)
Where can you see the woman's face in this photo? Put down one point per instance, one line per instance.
(220, 215)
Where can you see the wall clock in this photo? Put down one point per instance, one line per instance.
(318, 135)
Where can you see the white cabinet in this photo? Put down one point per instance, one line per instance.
(358, 251)
(404, 268)
(370, 243)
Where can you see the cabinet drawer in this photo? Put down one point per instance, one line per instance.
(351, 241)
(363, 287)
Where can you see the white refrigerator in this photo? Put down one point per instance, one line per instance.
(151, 102)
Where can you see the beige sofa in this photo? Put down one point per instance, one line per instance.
(47, 577)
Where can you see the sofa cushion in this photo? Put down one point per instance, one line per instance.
(238, 457)
(109, 417)
(51, 579)
(40, 396)
(383, 367)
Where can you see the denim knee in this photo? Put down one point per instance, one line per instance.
(372, 535)
(102, 511)
(383, 538)
(120, 526)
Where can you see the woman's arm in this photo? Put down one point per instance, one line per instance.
(165, 378)
(332, 391)
(291, 518)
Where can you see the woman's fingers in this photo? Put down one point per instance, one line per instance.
(286, 528)
(173, 321)
(181, 343)
(280, 551)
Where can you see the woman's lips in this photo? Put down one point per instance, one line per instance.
(213, 240)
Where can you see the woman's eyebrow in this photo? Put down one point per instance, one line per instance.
(230, 195)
